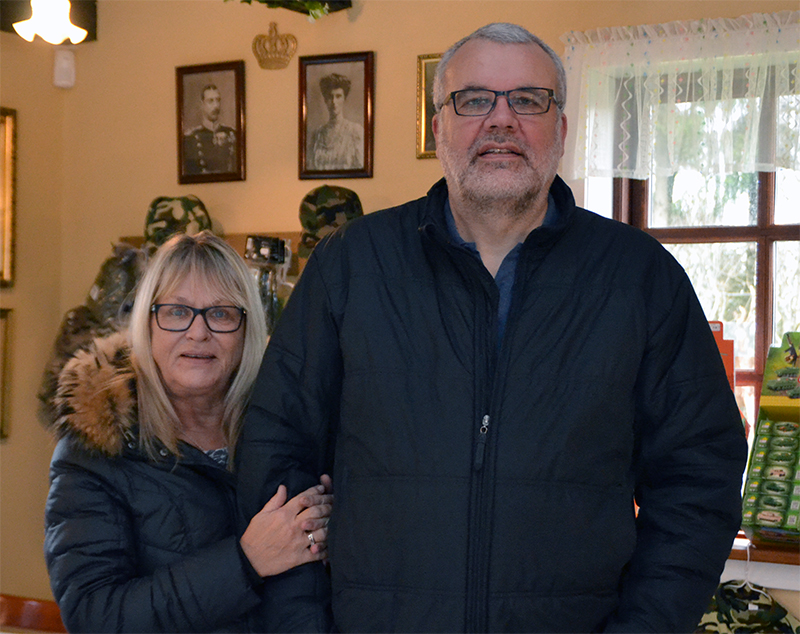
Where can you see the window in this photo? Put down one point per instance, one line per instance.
(747, 275)
(696, 127)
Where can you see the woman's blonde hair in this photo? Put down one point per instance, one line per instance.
(209, 258)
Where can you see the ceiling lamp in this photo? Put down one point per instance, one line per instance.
(50, 21)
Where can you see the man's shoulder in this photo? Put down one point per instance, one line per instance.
(600, 227)
(409, 214)
(202, 131)
(198, 131)
(616, 247)
(412, 210)
(381, 231)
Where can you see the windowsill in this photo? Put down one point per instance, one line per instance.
(788, 554)
(772, 566)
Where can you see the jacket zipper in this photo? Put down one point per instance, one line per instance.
(480, 520)
(476, 618)
(480, 525)
(480, 449)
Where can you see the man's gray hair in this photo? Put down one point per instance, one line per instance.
(502, 33)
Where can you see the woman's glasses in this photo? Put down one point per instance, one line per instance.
(178, 317)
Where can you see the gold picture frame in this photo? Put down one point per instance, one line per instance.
(8, 176)
(5, 371)
(426, 69)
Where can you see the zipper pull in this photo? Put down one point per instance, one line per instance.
(481, 448)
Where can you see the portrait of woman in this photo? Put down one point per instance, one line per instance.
(336, 116)
(339, 143)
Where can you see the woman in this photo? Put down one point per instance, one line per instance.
(339, 143)
(140, 516)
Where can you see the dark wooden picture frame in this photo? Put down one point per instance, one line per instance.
(342, 148)
(426, 70)
(8, 194)
(211, 125)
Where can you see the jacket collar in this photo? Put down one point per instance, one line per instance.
(433, 216)
(96, 396)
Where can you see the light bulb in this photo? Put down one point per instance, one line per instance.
(50, 21)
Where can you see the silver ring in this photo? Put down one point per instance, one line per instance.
(311, 538)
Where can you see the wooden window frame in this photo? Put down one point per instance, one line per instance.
(630, 205)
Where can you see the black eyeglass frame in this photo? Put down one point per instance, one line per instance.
(199, 311)
(551, 93)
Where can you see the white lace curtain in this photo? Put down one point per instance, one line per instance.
(716, 95)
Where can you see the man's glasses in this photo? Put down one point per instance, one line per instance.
(473, 102)
(178, 318)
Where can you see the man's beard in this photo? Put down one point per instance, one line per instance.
(506, 185)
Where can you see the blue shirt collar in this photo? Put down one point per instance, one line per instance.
(550, 218)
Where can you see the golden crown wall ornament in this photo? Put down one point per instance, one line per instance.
(274, 51)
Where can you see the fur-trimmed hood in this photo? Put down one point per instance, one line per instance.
(96, 395)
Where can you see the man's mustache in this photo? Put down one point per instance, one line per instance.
(499, 139)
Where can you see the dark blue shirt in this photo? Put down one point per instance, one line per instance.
(508, 268)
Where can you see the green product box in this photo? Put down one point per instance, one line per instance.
(771, 497)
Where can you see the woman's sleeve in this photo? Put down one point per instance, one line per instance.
(91, 555)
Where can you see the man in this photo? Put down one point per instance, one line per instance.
(339, 144)
(497, 376)
(210, 147)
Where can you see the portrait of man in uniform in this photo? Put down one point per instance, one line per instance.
(211, 146)
(211, 122)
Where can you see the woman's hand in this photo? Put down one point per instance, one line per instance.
(287, 534)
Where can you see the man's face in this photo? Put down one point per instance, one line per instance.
(335, 101)
(211, 104)
(502, 155)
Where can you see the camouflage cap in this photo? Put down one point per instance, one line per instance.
(166, 216)
(322, 211)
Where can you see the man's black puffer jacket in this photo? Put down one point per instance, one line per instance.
(488, 489)
(133, 544)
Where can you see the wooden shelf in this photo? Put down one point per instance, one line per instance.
(238, 241)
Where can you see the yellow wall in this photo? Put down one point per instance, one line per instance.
(93, 157)
(26, 85)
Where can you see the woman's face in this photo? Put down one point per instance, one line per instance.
(196, 363)
(335, 102)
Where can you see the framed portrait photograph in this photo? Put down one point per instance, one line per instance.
(211, 130)
(336, 116)
(426, 70)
